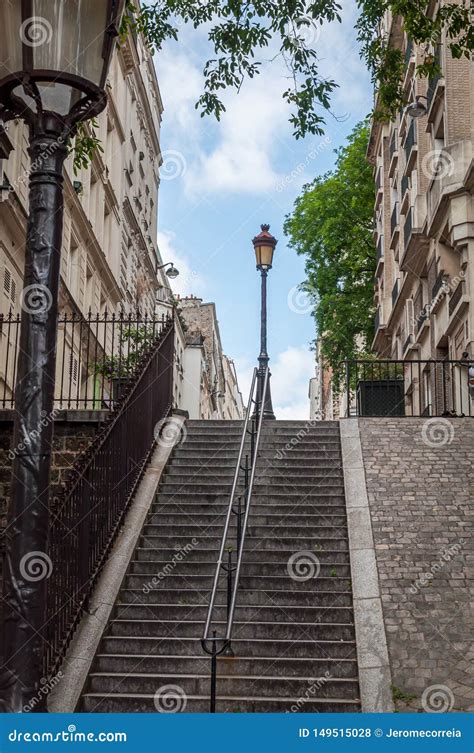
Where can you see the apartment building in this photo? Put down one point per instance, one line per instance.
(110, 257)
(424, 214)
(424, 211)
(210, 388)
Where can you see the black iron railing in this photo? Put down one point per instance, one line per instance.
(409, 388)
(96, 356)
(87, 518)
(227, 573)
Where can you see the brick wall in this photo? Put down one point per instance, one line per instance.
(420, 484)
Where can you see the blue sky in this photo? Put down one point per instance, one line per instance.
(220, 181)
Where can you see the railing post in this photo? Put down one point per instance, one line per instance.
(213, 675)
(229, 580)
(348, 389)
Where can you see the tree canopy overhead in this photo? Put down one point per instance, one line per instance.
(240, 33)
(332, 227)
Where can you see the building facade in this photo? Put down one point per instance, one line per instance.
(424, 219)
(424, 213)
(109, 257)
(210, 388)
(326, 404)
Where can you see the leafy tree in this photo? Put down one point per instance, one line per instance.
(240, 32)
(332, 226)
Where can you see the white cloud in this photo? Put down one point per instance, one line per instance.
(291, 371)
(189, 280)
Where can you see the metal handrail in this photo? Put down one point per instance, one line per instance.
(208, 643)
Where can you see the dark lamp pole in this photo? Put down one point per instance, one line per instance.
(264, 244)
(53, 71)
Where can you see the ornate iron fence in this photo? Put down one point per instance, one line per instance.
(96, 356)
(409, 388)
(87, 518)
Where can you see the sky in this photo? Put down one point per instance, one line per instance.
(221, 180)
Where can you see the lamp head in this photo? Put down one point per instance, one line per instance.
(416, 109)
(264, 244)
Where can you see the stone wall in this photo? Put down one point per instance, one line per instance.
(73, 430)
(420, 485)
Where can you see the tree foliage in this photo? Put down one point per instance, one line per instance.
(454, 20)
(241, 32)
(332, 226)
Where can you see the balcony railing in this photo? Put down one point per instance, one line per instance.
(395, 291)
(377, 320)
(97, 356)
(438, 284)
(408, 227)
(433, 80)
(394, 218)
(408, 388)
(455, 298)
(410, 141)
(393, 143)
(380, 250)
(404, 185)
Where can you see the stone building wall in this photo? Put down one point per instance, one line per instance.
(420, 485)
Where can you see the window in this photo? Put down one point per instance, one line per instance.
(9, 287)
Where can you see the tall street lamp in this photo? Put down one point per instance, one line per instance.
(53, 68)
(264, 244)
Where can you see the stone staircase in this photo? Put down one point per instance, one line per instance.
(293, 636)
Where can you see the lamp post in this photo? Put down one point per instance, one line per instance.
(53, 68)
(264, 244)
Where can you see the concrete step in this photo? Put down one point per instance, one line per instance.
(319, 486)
(198, 684)
(263, 496)
(239, 665)
(195, 509)
(243, 613)
(256, 530)
(304, 648)
(197, 556)
(188, 596)
(139, 703)
(203, 583)
(249, 569)
(205, 455)
(265, 630)
(214, 475)
(297, 544)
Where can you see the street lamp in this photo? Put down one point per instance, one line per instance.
(264, 244)
(172, 272)
(53, 68)
(417, 109)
